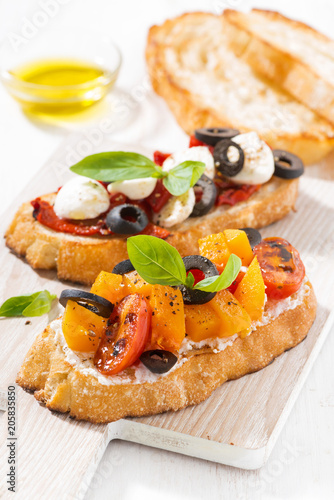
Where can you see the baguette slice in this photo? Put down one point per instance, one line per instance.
(291, 54)
(62, 386)
(206, 85)
(80, 259)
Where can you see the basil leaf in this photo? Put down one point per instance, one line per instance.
(156, 261)
(217, 283)
(183, 177)
(117, 166)
(26, 305)
(16, 305)
(40, 305)
(190, 280)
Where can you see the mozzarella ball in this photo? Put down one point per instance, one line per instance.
(136, 189)
(176, 210)
(81, 198)
(259, 165)
(199, 153)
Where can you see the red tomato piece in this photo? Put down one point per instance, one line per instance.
(141, 204)
(193, 143)
(159, 157)
(117, 199)
(236, 194)
(232, 288)
(157, 231)
(281, 266)
(126, 335)
(198, 275)
(44, 214)
(159, 197)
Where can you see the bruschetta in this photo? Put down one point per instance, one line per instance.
(224, 179)
(134, 347)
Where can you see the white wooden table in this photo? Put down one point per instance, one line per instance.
(301, 465)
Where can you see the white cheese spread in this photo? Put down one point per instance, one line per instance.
(83, 362)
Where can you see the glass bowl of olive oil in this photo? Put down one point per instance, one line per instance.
(60, 73)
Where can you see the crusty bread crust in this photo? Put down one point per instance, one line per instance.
(80, 259)
(63, 388)
(311, 143)
(276, 62)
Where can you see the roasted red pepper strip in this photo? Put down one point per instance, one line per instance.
(234, 195)
(117, 199)
(45, 215)
(159, 197)
(159, 157)
(193, 143)
(157, 231)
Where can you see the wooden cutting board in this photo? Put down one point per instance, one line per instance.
(238, 425)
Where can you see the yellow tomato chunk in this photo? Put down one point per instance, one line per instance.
(232, 316)
(168, 324)
(251, 291)
(215, 248)
(110, 286)
(202, 322)
(135, 284)
(238, 244)
(82, 328)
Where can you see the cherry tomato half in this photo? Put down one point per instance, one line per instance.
(125, 337)
(281, 266)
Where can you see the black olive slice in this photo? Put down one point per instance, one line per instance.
(253, 235)
(158, 361)
(123, 267)
(209, 269)
(213, 135)
(90, 301)
(287, 165)
(222, 163)
(208, 197)
(126, 219)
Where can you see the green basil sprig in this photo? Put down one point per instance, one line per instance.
(157, 262)
(35, 304)
(122, 166)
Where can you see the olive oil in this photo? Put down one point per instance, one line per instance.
(60, 86)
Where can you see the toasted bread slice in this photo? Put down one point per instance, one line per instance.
(291, 54)
(59, 382)
(80, 259)
(206, 85)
